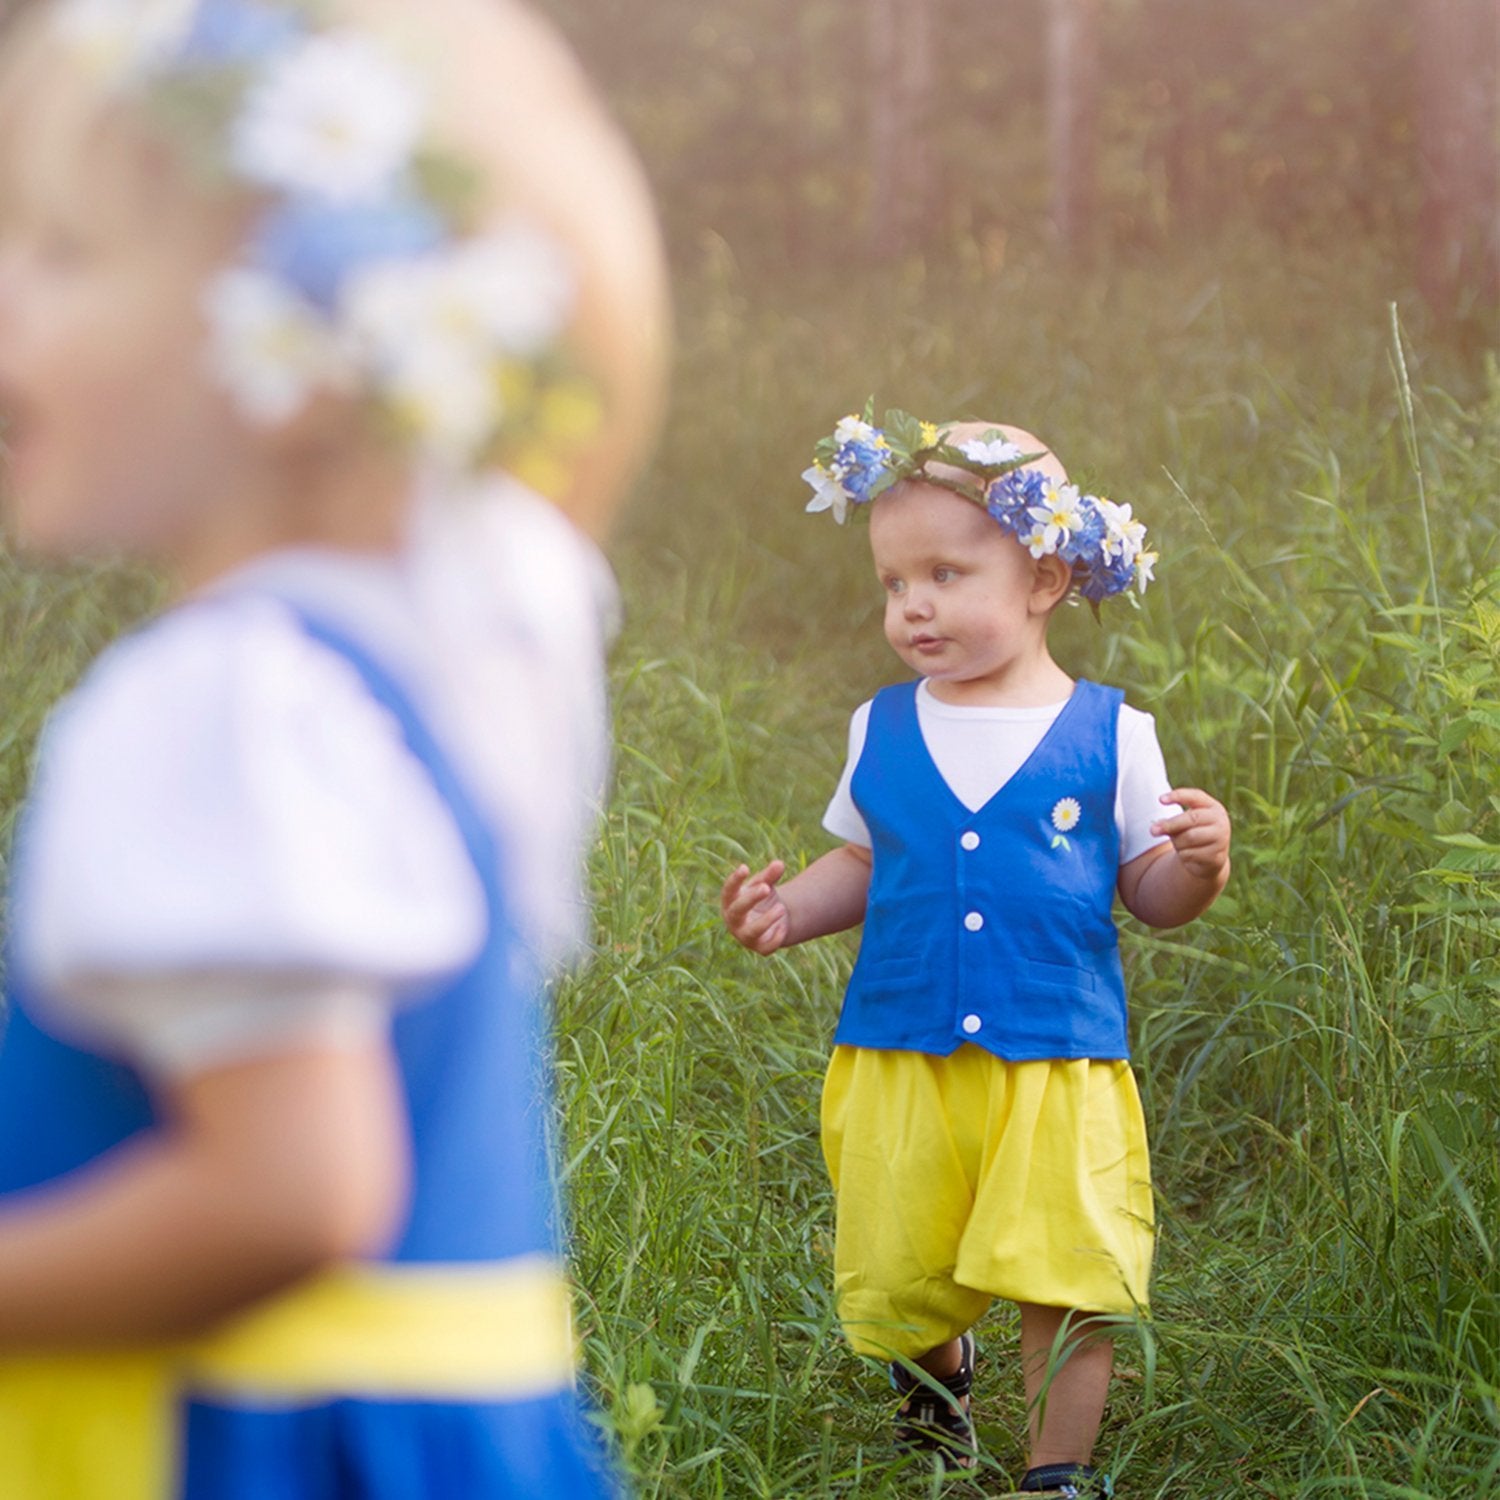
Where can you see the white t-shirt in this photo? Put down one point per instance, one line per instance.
(978, 749)
(230, 850)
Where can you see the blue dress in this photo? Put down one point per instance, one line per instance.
(442, 1372)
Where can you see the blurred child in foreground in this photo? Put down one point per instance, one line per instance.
(309, 303)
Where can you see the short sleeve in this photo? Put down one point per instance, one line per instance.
(222, 797)
(842, 819)
(520, 607)
(1142, 780)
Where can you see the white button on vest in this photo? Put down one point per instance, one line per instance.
(970, 840)
(974, 921)
(972, 1024)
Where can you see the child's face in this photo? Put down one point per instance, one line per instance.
(964, 601)
(114, 432)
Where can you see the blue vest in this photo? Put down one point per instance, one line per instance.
(996, 926)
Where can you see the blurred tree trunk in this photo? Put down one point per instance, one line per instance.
(1458, 148)
(1073, 114)
(900, 82)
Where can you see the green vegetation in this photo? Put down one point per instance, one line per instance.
(1320, 1056)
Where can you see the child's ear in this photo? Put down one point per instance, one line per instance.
(1050, 583)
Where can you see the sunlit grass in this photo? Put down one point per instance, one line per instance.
(1318, 1057)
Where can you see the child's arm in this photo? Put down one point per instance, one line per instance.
(828, 896)
(267, 1170)
(1173, 883)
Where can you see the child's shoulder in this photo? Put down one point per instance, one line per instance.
(1135, 723)
(222, 713)
(1133, 720)
(213, 771)
(209, 666)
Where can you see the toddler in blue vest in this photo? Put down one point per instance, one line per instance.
(980, 1119)
(345, 315)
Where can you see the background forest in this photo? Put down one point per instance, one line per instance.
(1240, 263)
(822, 131)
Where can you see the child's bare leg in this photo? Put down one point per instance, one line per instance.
(942, 1361)
(1066, 1408)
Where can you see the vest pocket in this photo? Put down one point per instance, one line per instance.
(888, 975)
(1064, 981)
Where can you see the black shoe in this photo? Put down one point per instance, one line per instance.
(1071, 1481)
(930, 1421)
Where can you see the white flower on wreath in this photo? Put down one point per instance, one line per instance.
(852, 429)
(1123, 536)
(272, 350)
(1059, 513)
(123, 37)
(335, 117)
(1035, 541)
(447, 399)
(996, 451)
(437, 330)
(508, 293)
(828, 493)
(1145, 569)
(515, 284)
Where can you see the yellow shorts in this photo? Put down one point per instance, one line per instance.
(967, 1177)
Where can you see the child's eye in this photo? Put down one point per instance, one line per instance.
(895, 585)
(944, 575)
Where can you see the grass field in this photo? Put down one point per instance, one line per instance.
(1320, 1056)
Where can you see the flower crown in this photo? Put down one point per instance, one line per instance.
(1098, 539)
(367, 272)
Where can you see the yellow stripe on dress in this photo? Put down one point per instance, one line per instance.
(498, 1331)
(103, 1426)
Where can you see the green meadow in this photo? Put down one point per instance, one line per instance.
(1319, 1056)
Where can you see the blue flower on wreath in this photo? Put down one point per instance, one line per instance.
(1084, 542)
(1012, 497)
(862, 459)
(855, 466)
(316, 246)
(239, 31)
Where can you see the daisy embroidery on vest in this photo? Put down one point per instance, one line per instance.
(1065, 815)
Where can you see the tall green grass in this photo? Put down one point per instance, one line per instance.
(1319, 1055)
(53, 621)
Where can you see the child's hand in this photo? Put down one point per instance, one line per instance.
(754, 912)
(1199, 833)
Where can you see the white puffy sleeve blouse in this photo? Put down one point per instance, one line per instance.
(229, 849)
